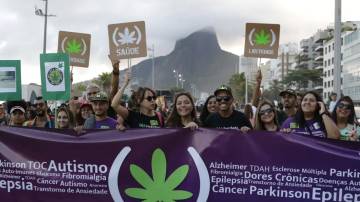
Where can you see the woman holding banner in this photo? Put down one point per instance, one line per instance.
(143, 114)
(345, 119)
(183, 113)
(64, 118)
(210, 106)
(266, 117)
(312, 119)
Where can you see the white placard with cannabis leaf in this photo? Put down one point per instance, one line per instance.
(55, 76)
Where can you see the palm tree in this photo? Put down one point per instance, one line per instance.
(104, 81)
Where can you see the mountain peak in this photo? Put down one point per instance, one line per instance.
(203, 39)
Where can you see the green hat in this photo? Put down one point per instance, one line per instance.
(100, 96)
(223, 88)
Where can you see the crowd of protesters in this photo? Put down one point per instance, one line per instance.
(304, 114)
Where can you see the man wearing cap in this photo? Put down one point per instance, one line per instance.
(42, 119)
(17, 112)
(101, 120)
(289, 101)
(227, 117)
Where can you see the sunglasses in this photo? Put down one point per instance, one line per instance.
(266, 111)
(149, 98)
(92, 93)
(344, 106)
(225, 98)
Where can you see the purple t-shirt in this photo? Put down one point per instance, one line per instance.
(108, 123)
(312, 125)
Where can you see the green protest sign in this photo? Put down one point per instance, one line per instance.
(10, 80)
(55, 76)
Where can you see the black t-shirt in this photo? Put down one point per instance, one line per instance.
(281, 116)
(138, 120)
(236, 120)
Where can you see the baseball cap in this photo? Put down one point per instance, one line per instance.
(100, 96)
(17, 108)
(288, 91)
(224, 88)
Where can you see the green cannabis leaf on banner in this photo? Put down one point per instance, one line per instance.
(158, 188)
(262, 38)
(73, 46)
(55, 76)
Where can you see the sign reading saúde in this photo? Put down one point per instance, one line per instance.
(77, 45)
(127, 40)
(10, 80)
(55, 76)
(262, 40)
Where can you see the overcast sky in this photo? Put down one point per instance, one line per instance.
(21, 33)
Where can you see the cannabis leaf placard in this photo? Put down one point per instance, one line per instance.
(262, 38)
(127, 37)
(72, 46)
(158, 187)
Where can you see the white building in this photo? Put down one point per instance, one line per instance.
(266, 74)
(284, 62)
(348, 61)
(249, 66)
(351, 66)
(30, 92)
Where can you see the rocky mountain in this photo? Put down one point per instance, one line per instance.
(198, 57)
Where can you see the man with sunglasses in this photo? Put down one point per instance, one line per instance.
(42, 119)
(101, 120)
(227, 117)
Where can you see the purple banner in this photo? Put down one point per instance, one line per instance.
(175, 165)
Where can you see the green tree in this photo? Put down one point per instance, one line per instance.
(237, 84)
(104, 81)
(78, 89)
(300, 78)
(273, 92)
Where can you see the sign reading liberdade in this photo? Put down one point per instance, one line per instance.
(262, 40)
(77, 45)
(127, 40)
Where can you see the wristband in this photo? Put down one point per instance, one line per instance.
(323, 114)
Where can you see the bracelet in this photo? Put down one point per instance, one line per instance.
(115, 73)
(323, 114)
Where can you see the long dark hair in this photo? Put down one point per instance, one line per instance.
(299, 116)
(205, 112)
(352, 118)
(174, 119)
(138, 96)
